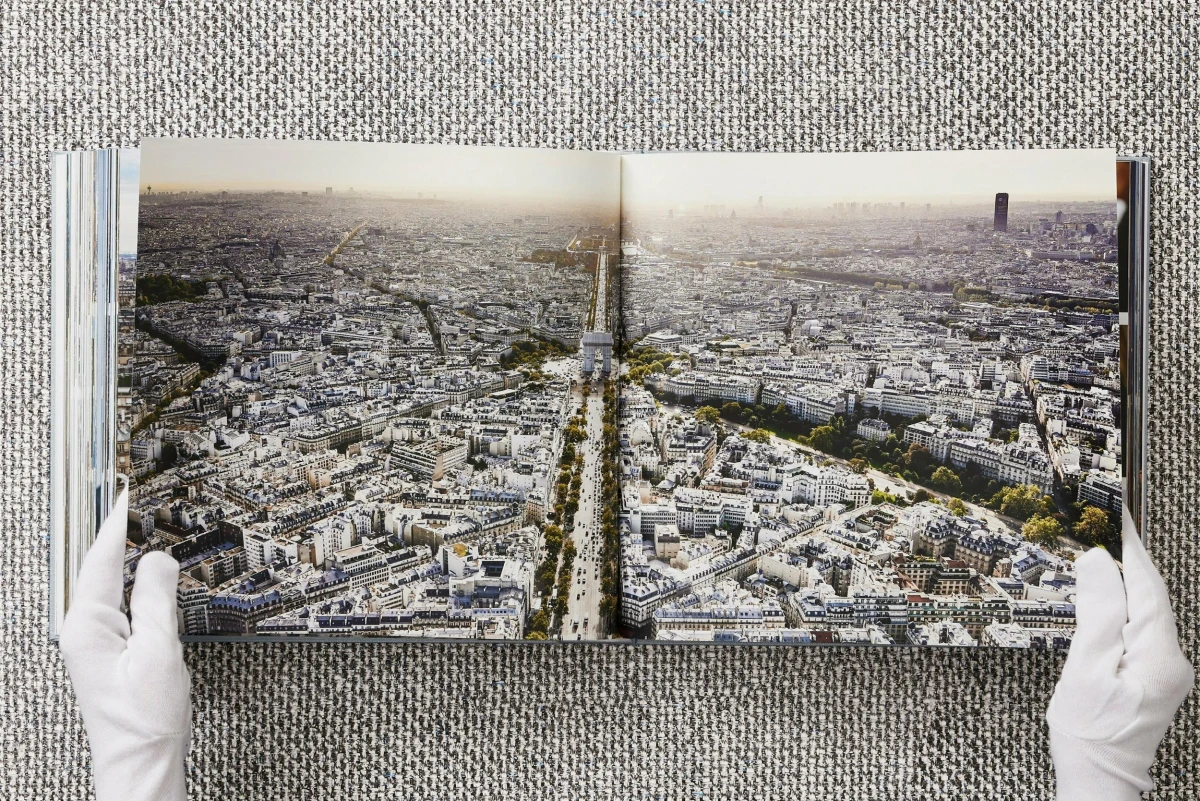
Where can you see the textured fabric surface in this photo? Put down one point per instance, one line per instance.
(527, 722)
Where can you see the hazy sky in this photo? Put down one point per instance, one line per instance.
(451, 172)
(685, 180)
(655, 180)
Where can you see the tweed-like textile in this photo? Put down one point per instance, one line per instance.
(581, 722)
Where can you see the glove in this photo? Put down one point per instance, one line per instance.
(129, 676)
(1123, 680)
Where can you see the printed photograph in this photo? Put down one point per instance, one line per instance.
(449, 393)
(866, 398)
(363, 387)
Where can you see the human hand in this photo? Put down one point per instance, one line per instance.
(130, 680)
(1123, 681)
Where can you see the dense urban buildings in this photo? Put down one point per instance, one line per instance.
(345, 411)
(372, 414)
(867, 422)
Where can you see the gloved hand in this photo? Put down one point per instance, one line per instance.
(1123, 680)
(129, 676)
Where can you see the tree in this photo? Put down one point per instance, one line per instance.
(1042, 530)
(536, 635)
(708, 414)
(957, 507)
(921, 496)
(918, 459)
(946, 480)
(821, 438)
(759, 435)
(1022, 501)
(880, 497)
(540, 622)
(1093, 527)
(858, 465)
(732, 411)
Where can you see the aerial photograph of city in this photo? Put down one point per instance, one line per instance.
(473, 393)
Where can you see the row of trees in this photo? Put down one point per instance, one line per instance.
(556, 535)
(1044, 522)
(164, 288)
(533, 353)
(645, 361)
(610, 495)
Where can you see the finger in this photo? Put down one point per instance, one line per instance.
(152, 603)
(1100, 616)
(101, 578)
(1092, 699)
(1151, 638)
(92, 637)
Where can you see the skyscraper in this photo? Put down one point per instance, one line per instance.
(1000, 220)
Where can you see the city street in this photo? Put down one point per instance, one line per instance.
(585, 578)
(584, 616)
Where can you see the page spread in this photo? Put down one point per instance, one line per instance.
(443, 392)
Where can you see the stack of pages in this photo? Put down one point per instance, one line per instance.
(434, 392)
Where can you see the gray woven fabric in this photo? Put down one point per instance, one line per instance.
(522, 722)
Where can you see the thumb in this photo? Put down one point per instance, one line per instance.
(153, 630)
(1093, 699)
(1100, 616)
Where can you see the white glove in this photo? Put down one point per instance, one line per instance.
(1123, 680)
(129, 676)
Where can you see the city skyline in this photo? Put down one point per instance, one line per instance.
(428, 420)
(451, 172)
(656, 181)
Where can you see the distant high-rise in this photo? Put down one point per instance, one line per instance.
(1058, 218)
(1000, 220)
(328, 191)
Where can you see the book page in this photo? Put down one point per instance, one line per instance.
(867, 398)
(367, 387)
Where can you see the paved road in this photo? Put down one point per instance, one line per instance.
(583, 617)
(585, 575)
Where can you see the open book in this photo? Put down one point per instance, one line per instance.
(441, 392)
